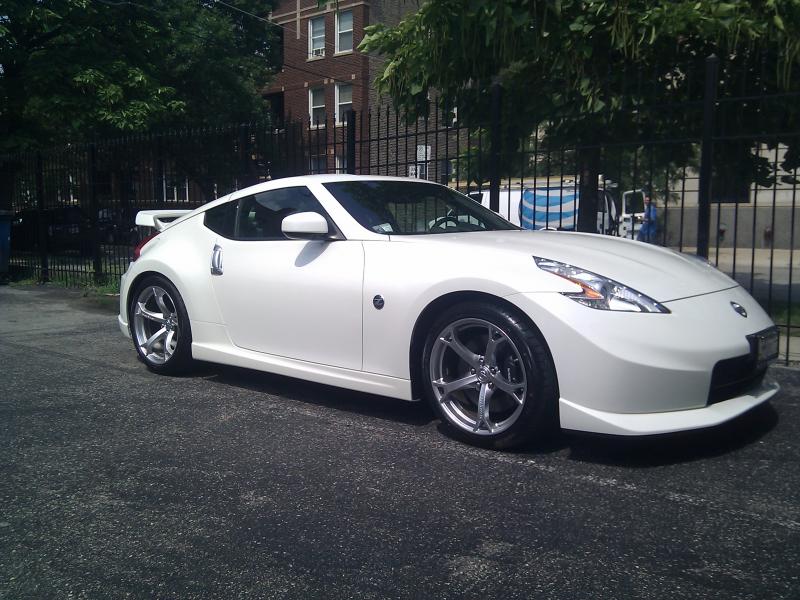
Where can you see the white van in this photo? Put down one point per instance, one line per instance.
(553, 207)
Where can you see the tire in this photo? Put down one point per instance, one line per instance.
(478, 351)
(160, 328)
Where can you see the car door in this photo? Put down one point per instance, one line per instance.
(298, 299)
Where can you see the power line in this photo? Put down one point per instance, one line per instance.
(215, 41)
(249, 14)
(296, 68)
(283, 27)
(236, 8)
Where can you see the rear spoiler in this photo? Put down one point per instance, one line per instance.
(159, 219)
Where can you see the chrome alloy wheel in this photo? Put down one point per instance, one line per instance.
(478, 376)
(155, 324)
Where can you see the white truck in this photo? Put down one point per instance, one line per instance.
(556, 207)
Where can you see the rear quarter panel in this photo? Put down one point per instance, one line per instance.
(182, 254)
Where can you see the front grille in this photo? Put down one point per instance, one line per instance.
(734, 376)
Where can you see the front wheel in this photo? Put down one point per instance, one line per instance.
(490, 377)
(160, 326)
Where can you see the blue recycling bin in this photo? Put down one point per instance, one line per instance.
(5, 243)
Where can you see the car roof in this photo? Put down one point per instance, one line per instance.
(283, 182)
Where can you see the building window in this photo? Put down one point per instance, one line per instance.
(420, 169)
(344, 101)
(316, 37)
(344, 31)
(318, 164)
(341, 163)
(316, 106)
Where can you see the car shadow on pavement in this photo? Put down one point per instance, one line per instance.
(370, 405)
(655, 451)
(622, 451)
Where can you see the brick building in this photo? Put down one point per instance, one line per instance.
(323, 75)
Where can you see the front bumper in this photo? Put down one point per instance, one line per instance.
(581, 418)
(642, 374)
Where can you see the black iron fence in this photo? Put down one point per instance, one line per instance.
(712, 171)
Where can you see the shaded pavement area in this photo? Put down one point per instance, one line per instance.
(115, 482)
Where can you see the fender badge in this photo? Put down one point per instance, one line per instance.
(377, 302)
(739, 309)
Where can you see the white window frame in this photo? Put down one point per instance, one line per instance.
(316, 53)
(341, 163)
(312, 106)
(338, 105)
(351, 31)
(423, 160)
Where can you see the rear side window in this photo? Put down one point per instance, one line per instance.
(261, 215)
(222, 219)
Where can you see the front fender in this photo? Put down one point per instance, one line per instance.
(409, 277)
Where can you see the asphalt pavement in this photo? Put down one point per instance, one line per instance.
(118, 483)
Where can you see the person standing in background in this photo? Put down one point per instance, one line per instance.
(647, 233)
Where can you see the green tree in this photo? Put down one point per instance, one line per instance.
(72, 70)
(575, 67)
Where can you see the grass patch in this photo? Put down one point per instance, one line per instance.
(104, 302)
(785, 314)
(102, 295)
(23, 282)
(106, 288)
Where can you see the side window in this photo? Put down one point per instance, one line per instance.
(221, 219)
(261, 215)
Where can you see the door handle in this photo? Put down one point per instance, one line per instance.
(216, 260)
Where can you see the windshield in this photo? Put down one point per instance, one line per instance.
(409, 207)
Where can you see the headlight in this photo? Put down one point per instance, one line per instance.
(600, 292)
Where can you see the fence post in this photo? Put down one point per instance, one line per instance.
(495, 141)
(247, 176)
(40, 218)
(288, 149)
(706, 156)
(351, 142)
(97, 265)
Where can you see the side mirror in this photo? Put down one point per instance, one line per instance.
(305, 226)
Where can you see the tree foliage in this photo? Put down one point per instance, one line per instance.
(71, 70)
(589, 72)
(566, 57)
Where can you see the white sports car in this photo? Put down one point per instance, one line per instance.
(409, 289)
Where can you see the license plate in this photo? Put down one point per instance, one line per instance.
(767, 345)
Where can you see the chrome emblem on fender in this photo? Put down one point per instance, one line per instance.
(739, 309)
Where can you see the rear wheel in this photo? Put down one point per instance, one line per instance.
(490, 377)
(160, 326)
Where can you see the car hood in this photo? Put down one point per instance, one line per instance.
(662, 274)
